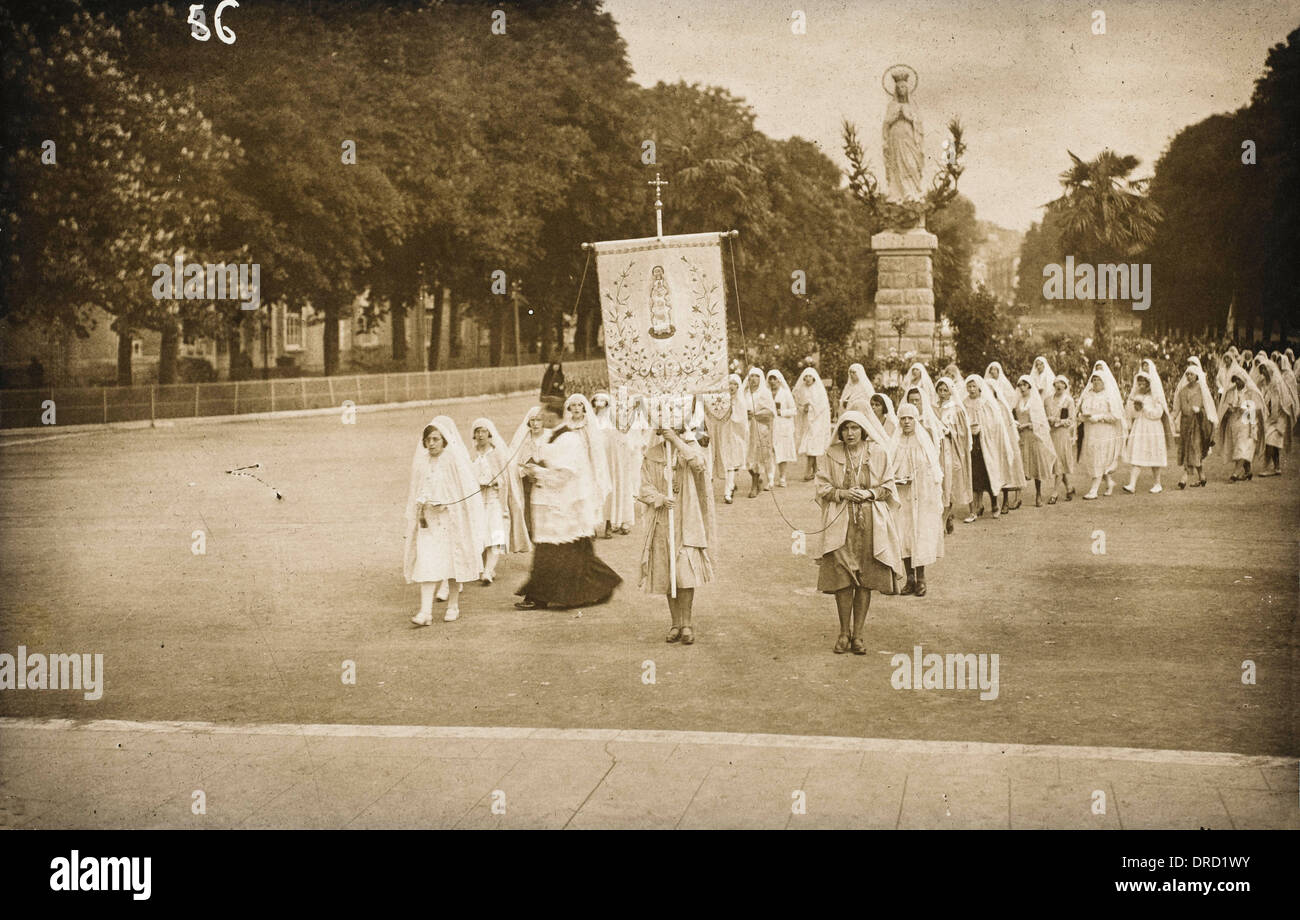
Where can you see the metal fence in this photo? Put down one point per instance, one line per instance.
(102, 405)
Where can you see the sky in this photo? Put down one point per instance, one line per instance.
(1028, 78)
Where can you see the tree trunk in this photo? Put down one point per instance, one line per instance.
(1103, 325)
(435, 333)
(171, 340)
(331, 335)
(235, 345)
(124, 358)
(454, 345)
(397, 317)
(496, 334)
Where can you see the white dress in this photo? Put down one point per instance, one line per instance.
(434, 542)
(1146, 438)
(498, 522)
(783, 429)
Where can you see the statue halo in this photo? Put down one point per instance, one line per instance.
(888, 75)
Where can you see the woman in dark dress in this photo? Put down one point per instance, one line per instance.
(553, 380)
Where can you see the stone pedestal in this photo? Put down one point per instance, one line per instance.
(905, 288)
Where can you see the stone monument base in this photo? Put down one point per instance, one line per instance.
(905, 290)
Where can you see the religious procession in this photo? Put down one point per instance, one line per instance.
(893, 470)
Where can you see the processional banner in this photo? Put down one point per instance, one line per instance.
(663, 302)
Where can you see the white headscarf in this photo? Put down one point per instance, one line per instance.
(1277, 384)
(890, 415)
(741, 403)
(955, 404)
(762, 397)
(870, 427)
(1207, 401)
(928, 447)
(858, 386)
(1043, 380)
(818, 400)
(928, 419)
(466, 506)
(1037, 414)
(1110, 389)
(1001, 385)
(923, 383)
(783, 388)
(594, 437)
(1148, 370)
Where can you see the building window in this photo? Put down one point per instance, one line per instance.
(293, 329)
(137, 348)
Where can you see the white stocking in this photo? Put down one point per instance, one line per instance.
(427, 589)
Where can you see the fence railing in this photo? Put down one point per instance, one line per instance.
(101, 405)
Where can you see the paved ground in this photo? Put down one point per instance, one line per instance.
(1140, 647)
(110, 774)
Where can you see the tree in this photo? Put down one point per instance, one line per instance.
(1105, 216)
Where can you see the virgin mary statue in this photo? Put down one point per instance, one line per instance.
(903, 137)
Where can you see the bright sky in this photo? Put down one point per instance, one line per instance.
(1028, 78)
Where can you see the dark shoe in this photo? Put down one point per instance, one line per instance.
(526, 604)
(1052, 500)
(909, 588)
(1201, 484)
(948, 527)
(1181, 485)
(841, 644)
(920, 589)
(674, 634)
(1038, 501)
(858, 646)
(688, 636)
(1069, 495)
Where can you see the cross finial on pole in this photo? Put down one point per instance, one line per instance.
(659, 206)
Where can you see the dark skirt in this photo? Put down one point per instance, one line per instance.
(569, 575)
(854, 565)
(1194, 439)
(978, 471)
(528, 505)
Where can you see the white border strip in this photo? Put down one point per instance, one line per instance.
(641, 736)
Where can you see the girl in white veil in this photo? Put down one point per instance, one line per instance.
(581, 417)
(918, 479)
(445, 530)
(1042, 377)
(1240, 417)
(526, 447)
(1194, 418)
(783, 445)
(624, 459)
(858, 387)
(1147, 444)
(1101, 409)
(1279, 412)
(762, 458)
(996, 377)
(919, 377)
(733, 441)
(882, 410)
(817, 418)
(503, 505)
(1034, 437)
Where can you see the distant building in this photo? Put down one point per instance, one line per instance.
(996, 259)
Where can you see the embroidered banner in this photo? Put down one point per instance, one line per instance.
(665, 318)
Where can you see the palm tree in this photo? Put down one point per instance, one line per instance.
(1105, 216)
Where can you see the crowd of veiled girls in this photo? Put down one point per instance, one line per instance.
(891, 481)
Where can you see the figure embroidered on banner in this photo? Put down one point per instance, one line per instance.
(661, 305)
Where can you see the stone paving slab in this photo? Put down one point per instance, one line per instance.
(112, 774)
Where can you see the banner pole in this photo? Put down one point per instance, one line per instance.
(672, 556)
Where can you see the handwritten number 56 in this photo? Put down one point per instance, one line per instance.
(199, 27)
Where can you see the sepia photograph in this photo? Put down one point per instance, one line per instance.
(646, 415)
